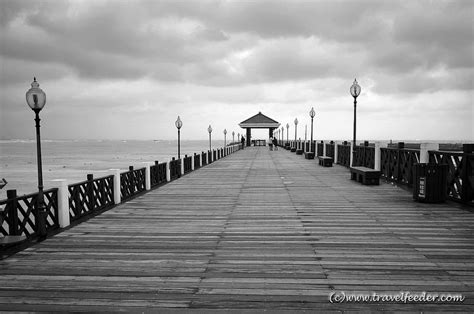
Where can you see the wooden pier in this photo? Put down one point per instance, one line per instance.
(257, 230)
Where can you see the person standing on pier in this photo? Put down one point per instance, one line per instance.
(243, 142)
(275, 143)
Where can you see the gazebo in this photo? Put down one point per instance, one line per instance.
(259, 121)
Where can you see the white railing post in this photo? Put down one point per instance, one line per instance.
(63, 203)
(117, 197)
(200, 161)
(181, 162)
(192, 162)
(351, 155)
(377, 156)
(335, 152)
(168, 172)
(324, 148)
(424, 148)
(147, 175)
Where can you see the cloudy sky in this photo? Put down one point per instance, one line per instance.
(126, 69)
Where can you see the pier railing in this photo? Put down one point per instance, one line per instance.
(197, 161)
(343, 154)
(396, 162)
(70, 203)
(187, 164)
(90, 196)
(19, 216)
(460, 173)
(175, 169)
(157, 174)
(132, 182)
(364, 155)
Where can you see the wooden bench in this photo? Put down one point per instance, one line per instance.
(364, 175)
(325, 161)
(309, 155)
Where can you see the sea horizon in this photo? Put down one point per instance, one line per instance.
(73, 159)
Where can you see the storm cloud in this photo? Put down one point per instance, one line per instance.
(220, 62)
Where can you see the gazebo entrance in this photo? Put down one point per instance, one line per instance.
(258, 121)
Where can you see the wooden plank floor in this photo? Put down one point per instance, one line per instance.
(257, 230)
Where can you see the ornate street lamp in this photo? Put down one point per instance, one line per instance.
(287, 131)
(179, 124)
(36, 99)
(355, 91)
(225, 137)
(209, 129)
(233, 137)
(312, 113)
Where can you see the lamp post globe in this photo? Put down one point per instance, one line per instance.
(36, 99)
(355, 92)
(179, 124)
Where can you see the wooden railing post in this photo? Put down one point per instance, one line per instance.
(12, 214)
(64, 217)
(192, 161)
(324, 148)
(181, 163)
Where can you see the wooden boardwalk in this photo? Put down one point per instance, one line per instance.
(257, 230)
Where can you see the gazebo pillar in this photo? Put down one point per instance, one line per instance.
(249, 134)
(270, 132)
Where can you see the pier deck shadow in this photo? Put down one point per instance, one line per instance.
(256, 230)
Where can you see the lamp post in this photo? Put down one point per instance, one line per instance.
(233, 137)
(312, 113)
(225, 137)
(296, 127)
(355, 91)
(36, 99)
(287, 132)
(179, 124)
(209, 129)
(282, 134)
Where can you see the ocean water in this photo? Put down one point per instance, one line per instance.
(74, 159)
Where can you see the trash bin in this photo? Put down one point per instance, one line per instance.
(430, 182)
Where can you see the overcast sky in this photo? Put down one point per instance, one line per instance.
(127, 69)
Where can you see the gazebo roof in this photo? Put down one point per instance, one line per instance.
(259, 121)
